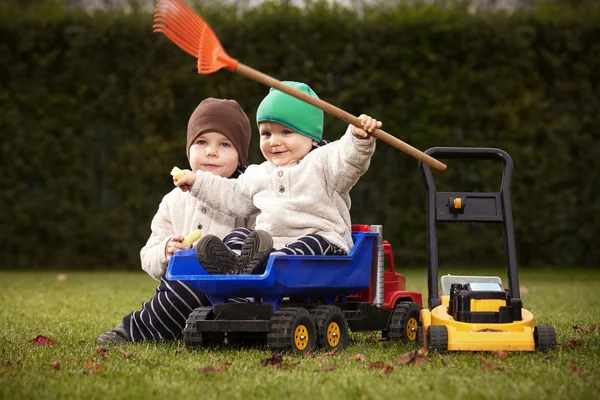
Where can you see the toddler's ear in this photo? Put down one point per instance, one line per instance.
(315, 143)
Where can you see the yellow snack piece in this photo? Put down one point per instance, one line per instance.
(177, 173)
(193, 236)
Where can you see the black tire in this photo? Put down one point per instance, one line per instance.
(544, 337)
(437, 338)
(292, 329)
(195, 339)
(332, 327)
(404, 322)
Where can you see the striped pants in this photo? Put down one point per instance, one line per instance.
(163, 317)
(309, 245)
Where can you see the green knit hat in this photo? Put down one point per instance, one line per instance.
(289, 111)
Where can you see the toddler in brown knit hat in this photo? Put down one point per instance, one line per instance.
(218, 136)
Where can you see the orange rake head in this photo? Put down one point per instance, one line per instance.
(192, 34)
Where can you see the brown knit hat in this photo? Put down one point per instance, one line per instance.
(225, 117)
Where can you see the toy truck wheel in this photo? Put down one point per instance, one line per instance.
(404, 323)
(332, 328)
(192, 337)
(292, 329)
(544, 337)
(437, 338)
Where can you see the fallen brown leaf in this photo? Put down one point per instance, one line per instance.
(377, 365)
(414, 357)
(576, 371)
(55, 365)
(489, 366)
(18, 360)
(61, 277)
(102, 351)
(70, 359)
(125, 353)
(406, 357)
(423, 351)
(386, 370)
(326, 355)
(42, 341)
(326, 369)
(214, 369)
(586, 329)
(275, 360)
(90, 367)
(378, 339)
(501, 354)
(524, 290)
(572, 342)
(359, 357)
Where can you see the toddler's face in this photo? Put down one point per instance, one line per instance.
(281, 145)
(213, 152)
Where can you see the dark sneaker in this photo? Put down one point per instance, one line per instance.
(255, 252)
(215, 257)
(117, 335)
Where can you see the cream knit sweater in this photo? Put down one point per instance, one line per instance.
(309, 196)
(179, 213)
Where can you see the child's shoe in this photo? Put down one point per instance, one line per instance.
(117, 335)
(215, 257)
(255, 251)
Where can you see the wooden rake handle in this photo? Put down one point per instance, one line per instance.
(339, 113)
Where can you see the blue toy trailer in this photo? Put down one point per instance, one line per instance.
(303, 301)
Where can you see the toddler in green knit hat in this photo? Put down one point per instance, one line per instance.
(301, 193)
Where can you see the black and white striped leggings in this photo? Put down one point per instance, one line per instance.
(309, 245)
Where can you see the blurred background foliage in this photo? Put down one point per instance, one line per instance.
(94, 108)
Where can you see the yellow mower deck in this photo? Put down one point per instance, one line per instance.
(463, 336)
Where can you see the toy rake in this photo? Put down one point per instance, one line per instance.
(192, 34)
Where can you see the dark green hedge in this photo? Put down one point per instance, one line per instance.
(94, 109)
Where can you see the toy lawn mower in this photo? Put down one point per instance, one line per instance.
(476, 313)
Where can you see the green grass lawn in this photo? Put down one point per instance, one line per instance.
(73, 311)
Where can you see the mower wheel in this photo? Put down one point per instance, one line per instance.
(544, 337)
(437, 338)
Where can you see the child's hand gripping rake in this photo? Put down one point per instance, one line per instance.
(192, 34)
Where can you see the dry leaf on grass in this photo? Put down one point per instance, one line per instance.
(415, 357)
(275, 360)
(573, 342)
(102, 351)
(328, 368)
(585, 329)
(61, 277)
(576, 371)
(55, 365)
(18, 360)
(214, 369)
(489, 366)
(501, 354)
(126, 354)
(359, 357)
(327, 355)
(89, 367)
(524, 290)
(42, 341)
(386, 370)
